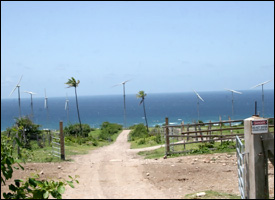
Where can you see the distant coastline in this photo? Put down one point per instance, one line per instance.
(99, 108)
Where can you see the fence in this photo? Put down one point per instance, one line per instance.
(241, 167)
(201, 132)
(56, 144)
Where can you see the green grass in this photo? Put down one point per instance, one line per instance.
(38, 154)
(192, 149)
(149, 143)
(210, 194)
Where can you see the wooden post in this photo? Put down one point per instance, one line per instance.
(182, 129)
(200, 133)
(196, 132)
(256, 177)
(167, 135)
(221, 128)
(209, 128)
(188, 132)
(62, 143)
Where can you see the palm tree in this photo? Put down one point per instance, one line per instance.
(73, 83)
(142, 94)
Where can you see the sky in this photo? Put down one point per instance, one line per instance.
(165, 46)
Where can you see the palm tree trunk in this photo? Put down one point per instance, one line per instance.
(78, 112)
(145, 115)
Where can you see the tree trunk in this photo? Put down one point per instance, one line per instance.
(145, 115)
(78, 112)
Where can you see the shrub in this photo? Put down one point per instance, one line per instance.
(27, 131)
(74, 129)
(108, 129)
(140, 131)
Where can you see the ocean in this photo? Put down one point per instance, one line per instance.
(177, 107)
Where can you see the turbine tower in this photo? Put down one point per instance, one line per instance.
(233, 91)
(46, 105)
(67, 108)
(262, 84)
(18, 86)
(31, 93)
(198, 104)
(123, 83)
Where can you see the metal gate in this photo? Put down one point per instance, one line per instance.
(56, 144)
(241, 166)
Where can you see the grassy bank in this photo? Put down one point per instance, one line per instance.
(38, 148)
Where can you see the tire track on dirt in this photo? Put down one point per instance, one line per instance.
(111, 172)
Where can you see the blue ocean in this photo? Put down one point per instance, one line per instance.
(177, 107)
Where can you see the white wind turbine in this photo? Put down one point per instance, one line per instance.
(123, 83)
(233, 91)
(198, 104)
(67, 108)
(262, 84)
(31, 93)
(46, 104)
(18, 86)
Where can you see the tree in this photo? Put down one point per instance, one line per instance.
(73, 83)
(142, 94)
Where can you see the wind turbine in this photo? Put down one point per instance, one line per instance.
(46, 104)
(123, 83)
(233, 91)
(198, 104)
(31, 93)
(262, 84)
(67, 108)
(18, 86)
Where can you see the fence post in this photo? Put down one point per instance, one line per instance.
(221, 129)
(167, 135)
(256, 134)
(62, 143)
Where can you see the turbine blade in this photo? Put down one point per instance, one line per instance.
(19, 80)
(260, 84)
(126, 81)
(198, 96)
(116, 85)
(234, 91)
(13, 90)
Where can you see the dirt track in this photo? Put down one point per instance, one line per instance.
(112, 172)
(116, 171)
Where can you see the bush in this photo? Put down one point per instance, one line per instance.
(70, 139)
(26, 129)
(108, 129)
(74, 129)
(140, 131)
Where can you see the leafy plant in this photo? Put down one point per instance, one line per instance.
(139, 131)
(35, 189)
(108, 129)
(32, 188)
(74, 129)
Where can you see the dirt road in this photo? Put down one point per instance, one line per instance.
(116, 171)
(112, 172)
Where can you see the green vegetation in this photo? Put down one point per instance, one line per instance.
(139, 137)
(38, 149)
(210, 194)
(193, 149)
(37, 146)
(32, 188)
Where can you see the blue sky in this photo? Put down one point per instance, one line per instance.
(159, 46)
